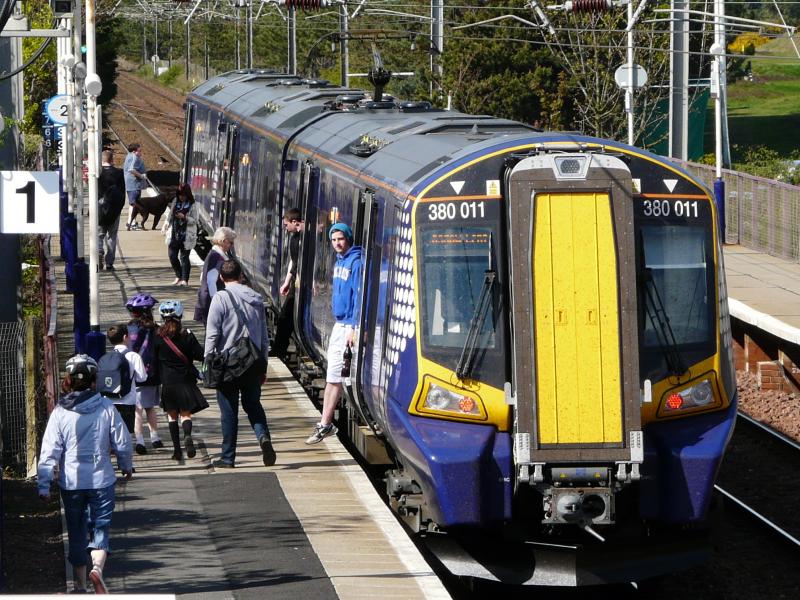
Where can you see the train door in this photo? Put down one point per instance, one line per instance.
(188, 144)
(572, 254)
(230, 173)
(366, 236)
(313, 337)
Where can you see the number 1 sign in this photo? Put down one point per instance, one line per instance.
(29, 202)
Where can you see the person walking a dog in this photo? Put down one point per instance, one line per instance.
(135, 180)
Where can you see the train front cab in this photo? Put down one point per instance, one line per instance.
(577, 435)
(622, 377)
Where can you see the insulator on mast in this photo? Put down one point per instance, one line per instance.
(586, 6)
(305, 4)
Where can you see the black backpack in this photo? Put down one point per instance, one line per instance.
(109, 206)
(114, 374)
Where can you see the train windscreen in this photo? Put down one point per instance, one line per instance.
(460, 283)
(677, 299)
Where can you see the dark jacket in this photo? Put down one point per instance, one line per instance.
(110, 191)
(170, 369)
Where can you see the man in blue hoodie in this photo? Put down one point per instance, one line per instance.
(345, 304)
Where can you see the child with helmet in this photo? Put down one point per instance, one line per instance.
(174, 350)
(141, 337)
(82, 430)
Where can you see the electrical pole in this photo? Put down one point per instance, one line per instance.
(250, 35)
(95, 341)
(291, 35)
(629, 89)
(437, 42)
(169, 65)
(238, 44)
(717, 92)
(679, 81)
(188, 47)
(343, 44)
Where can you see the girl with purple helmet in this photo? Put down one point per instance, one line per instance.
(141, 334)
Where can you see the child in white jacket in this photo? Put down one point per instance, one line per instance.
(82, 429)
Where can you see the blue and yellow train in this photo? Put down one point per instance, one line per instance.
(545, 349)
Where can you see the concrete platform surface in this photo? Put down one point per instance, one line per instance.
(312, 526)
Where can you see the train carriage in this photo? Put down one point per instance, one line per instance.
(544, 346)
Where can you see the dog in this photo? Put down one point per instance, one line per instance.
(155, 203)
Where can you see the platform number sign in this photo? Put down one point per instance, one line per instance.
(29, 202)
(57, 109)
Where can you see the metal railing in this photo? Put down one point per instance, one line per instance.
(762, 214)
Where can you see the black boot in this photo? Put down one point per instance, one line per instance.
(187, 438)
(174, 433)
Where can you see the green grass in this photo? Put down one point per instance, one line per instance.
(766, 111)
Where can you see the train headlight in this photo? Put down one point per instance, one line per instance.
(442, 399)
(699, 395)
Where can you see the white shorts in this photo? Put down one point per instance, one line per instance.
(336, 344)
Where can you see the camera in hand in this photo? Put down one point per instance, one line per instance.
(346, 358)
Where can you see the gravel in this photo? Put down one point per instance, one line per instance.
(779, 410)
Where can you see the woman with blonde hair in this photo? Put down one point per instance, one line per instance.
(210, 283)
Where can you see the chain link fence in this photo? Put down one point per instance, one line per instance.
(12, 394)
(762, 214)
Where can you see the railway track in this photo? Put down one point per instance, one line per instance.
(753, 479)
(134, 85)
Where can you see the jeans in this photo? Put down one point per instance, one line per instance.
(88, 517)
(179, 259)
(249, 386)
(108, 243)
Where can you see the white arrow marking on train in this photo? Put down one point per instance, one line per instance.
(671, 183)
(457, 186)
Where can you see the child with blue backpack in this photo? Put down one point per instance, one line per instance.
(118, 372)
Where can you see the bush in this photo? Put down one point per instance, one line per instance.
(169, 76)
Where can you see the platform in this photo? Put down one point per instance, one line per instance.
(312, 526)
(764, 291)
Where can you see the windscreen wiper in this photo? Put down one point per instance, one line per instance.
(660, 322)
(466, 361)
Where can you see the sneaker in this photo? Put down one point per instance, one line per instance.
(96, 575)
(140, 449)
(190, 449)
(136, 227)
(128, 226)
(158, 444)
(183, 282)
(321, 432)
(267, 451)
(221, 464)
(177, 455)
(110, 268)
(177, 280)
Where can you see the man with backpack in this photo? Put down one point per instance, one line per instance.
(118, 372)
(111, 200)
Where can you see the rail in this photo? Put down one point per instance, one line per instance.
(746, 507)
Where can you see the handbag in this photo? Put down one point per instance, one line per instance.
(224, 366)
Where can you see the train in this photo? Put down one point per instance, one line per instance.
(544, 357)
